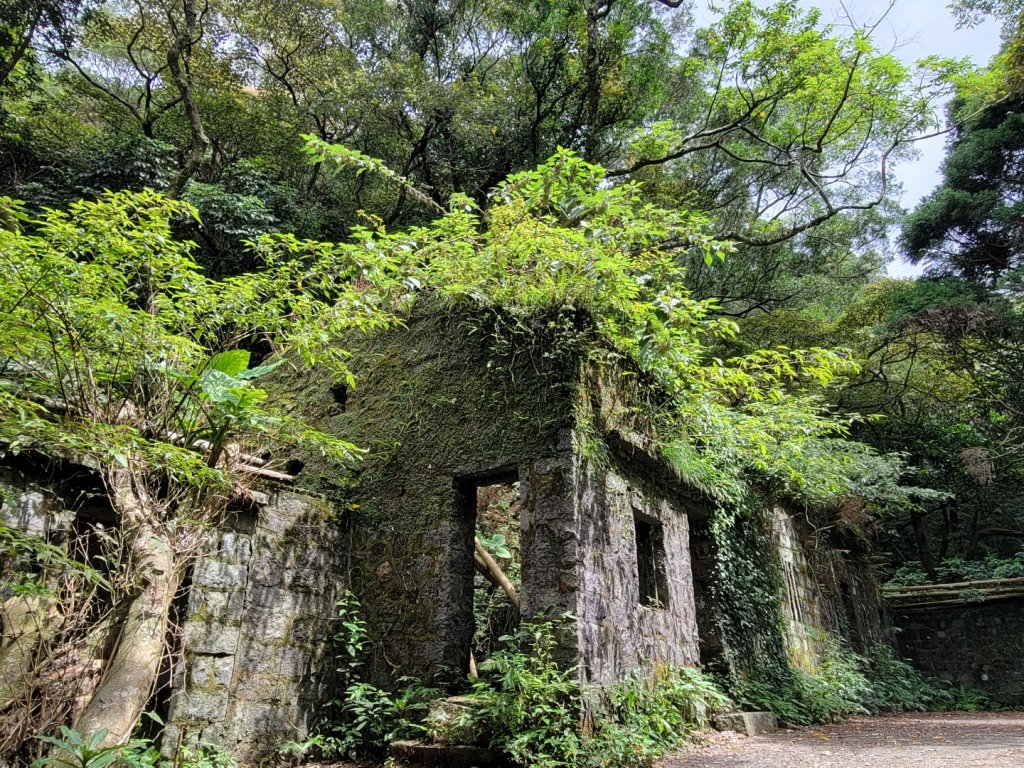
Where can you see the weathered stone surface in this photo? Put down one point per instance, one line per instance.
(979, 646)
(617, 633)
(201, 706)
(415, 753)
(245, 670)
(450, 721)
(217, 575)
(747, 723)
(235, 548)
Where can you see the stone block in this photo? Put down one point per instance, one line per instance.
(216, 575)
(294, 662)
(450, 721)
(211, 638)
(223, 668)
(200, 670)
(747, 723)
(268, 623)
(235, 548)
(234, 606)
(266, 570)
(200, 706)
(261, 720)
(444, 756)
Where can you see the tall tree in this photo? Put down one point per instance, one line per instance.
(973, 224)
(116, 351)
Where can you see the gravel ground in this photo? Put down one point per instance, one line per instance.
(948, 740)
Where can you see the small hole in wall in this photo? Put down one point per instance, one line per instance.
(294, 466)
(340, 394)
(650, 562)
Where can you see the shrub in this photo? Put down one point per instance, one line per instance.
(539, 715)
(528, 703)
(643, 718)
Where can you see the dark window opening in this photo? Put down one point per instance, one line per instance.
(340, 394)
(650, 562)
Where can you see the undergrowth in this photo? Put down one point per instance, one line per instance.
(534, 709)
(847, 683)
(539, 715)
(363, 718)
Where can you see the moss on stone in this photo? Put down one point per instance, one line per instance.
(446, 394)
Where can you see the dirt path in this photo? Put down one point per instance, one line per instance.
(949, 740)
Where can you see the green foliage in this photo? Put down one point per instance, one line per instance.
(896, 687)
(495, 544)
(956, 569)
(559, 241)
(371, 718)
(74, 750)
(969, 225)
(365, 718)
(747, 587)
(203, 756)
(27, 559)
(109, 329)
(532, 707)
(846, 683)
(535, 709)
(350, 640)
(643, 718)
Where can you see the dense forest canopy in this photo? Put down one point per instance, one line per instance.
(189, 184)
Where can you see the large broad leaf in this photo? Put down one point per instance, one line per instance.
(233, 362)
(260, 370)
(219, 387)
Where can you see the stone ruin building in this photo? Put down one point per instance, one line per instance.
(464, 429)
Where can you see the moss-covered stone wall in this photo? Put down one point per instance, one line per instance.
(438, 401)
(255, 655)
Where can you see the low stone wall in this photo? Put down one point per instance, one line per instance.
(981, 646)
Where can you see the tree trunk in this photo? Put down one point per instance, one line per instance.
(596, 11)
(492, 571)
(187, 35)
(131, 674)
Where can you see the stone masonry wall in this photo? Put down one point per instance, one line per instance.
(438, 409)
(826, 589)
(618, 634)
(980, 646)
(803, 608)
(27, 508)
(257, 630)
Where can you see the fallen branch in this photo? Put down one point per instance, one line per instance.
(491, 571)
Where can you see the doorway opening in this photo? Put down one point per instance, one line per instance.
(494, 502)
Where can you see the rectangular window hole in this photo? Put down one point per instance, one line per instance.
(650, 561)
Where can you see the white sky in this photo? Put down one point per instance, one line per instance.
(918, 28)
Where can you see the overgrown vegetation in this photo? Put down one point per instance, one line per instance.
(363, 719)
(702, 212)
(534, 710)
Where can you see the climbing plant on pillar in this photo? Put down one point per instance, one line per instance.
(118, 353)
